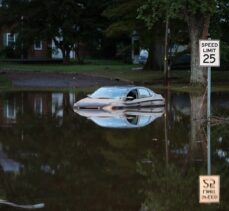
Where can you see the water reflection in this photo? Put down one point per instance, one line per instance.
(122, 118)
(198, 120)
(50, 154)
(164, 177)
(15, 105)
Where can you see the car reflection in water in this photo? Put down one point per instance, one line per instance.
(122, 118)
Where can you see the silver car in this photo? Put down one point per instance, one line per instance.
(120, 97)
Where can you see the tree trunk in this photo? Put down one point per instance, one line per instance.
(198, 29)
(67, 58)
(78, 56)
(156, 53)
(66, 55)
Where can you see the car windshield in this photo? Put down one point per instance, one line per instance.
(109, 93)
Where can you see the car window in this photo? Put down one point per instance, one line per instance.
(133, 94)
(144, 93)
(109, 93)
(132, 119)
(112, 122)
(144, 120)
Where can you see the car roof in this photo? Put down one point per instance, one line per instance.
(128, 87)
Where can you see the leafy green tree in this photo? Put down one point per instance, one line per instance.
(122, 22)
(197, 16)
(60, 21)
(68, 23)
(219, 29)
(123, 16)
(11, 19)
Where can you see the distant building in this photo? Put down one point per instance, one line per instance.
(39, 50)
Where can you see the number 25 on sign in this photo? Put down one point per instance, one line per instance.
(209, 53)
(209, 189)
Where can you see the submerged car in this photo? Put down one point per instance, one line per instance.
(120, 97)
(124, 118)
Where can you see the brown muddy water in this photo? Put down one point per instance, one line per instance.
(52, 158)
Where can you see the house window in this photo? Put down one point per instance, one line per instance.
(10, 109)
(38, 107)
(38, 45)
(10, 39)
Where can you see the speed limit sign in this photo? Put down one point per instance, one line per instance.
(209, 53)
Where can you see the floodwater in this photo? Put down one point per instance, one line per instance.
(55, 159)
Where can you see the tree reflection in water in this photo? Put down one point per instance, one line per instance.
(69, 163)
(172, 185)
(198, 119)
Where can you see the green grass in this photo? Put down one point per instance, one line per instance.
(4, 82)
(110, 69)
(118, 70)
(91, 66)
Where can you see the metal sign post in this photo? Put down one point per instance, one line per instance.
(209, 52)
(209, 120)
(209, 57)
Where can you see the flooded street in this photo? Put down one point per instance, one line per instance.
(139, 160)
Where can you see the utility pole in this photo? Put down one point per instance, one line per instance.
(22, 44)
(166, 61)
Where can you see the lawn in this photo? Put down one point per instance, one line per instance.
(110, 69)
(4, 82)
(120, 71)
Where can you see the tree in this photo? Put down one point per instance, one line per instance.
(219, 29)
(69, 23)
(126, 17)
(197, 15)
(94, 24)
(152, 40)
(122, 22)
(60, 21)
(12, 19)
